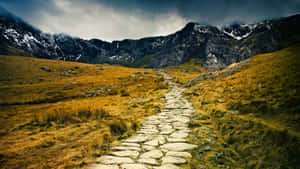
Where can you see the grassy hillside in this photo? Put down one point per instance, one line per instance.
(57, 114)
(187, 71)
(11, 51)
(251, 112)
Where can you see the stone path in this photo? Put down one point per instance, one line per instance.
(160, 143)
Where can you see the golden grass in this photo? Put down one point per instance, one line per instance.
(51, 123)
(185, 72)
(254, 112)
(41, 86)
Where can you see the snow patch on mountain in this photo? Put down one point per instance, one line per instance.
(237, 37)
(78, 57)
(12, 33)
(239, 32)
(27, 38)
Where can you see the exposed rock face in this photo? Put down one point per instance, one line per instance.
(215, 47)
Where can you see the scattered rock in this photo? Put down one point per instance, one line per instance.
(96, 91)
(153, 142)
(178, 146)
(197, 87)
(231, 70)
(101, 166)
(126, 148)
(148, 148)
(221, 166)
(204, 117)
(167, 166)
(134, 166)
(126, 153)
(179, 134)
(44, 68)
(176, 140)
(173, 160)
(138, 139)
(114, 160)
(152, 154)
(206, 76)
(66, 74)
(179, 154)
(209, 140)
(131, 144)
(166, 131)
(150, 161)
(218, 156)
(72, 72)
(205, 148)
(90, 94)
(233, 112)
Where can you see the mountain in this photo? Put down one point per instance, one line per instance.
(215, 48)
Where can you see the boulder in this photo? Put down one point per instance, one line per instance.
(206, 76)
(44, 68)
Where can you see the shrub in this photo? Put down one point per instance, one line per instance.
(75, 114)
(124, 93)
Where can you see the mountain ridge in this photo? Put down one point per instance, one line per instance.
(215, 48)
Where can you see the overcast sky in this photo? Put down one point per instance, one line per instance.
(121, 19)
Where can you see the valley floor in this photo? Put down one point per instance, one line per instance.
(56, 114)
(69, 115)
(160, 143)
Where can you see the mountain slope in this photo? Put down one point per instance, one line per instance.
(56, 114)
(216, 48)
(252, 109)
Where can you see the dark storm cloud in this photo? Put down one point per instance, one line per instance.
(211, 11)
(29, 8)
(119, 19)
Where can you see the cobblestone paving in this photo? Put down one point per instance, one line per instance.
(160, 143)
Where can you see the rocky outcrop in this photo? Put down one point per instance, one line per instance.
(206, 76)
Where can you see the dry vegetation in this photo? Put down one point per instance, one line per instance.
(62, 119)
(253, 113)
(185, 72)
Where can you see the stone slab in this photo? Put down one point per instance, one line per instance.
(178, 146)
(114, 160)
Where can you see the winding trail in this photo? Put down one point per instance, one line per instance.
(160, 143)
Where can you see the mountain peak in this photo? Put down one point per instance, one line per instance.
(208, 43)
(199, 28)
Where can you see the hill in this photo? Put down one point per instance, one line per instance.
(57, 114)
(251, 110)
